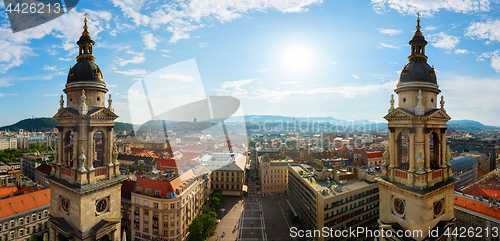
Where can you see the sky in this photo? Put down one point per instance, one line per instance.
(304, 58)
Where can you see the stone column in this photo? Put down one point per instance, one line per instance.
(60, 145)
(76, 146)
(442, 148)
(411, 150)
(427, 165)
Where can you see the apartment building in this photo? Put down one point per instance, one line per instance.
(228, 172)
(25, 215)
(164, 209)
(7, 142)
(335, 198)
(273, 175)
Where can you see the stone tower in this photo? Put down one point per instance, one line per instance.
(417, 183)
(85, 178)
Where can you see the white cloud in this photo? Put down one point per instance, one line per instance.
(14, 47)
(112, 86)
(150, 40)
(389, 31)
(52, 68)
(489, 30)
(335, 63)
(50, 95)
(234, 88)
(137, 59)
(429, 28)
(185, 78)
(494, 57)
(443, 41)
(290, 82)
(461, 51)
(428, 7)
(133, 72)
(165, 50)
(355, 76)
(263, 71)
(389, 46)
(181, 17)
(202, 45)
(166, 56)
(66, 59)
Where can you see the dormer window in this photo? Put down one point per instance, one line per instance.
(158, 193)
(148, 191)
(139, 189)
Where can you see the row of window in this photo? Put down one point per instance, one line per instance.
(172, 232)
(26, 231)
(351, 198)
(227, 174)
(21, 221)
(221, 179)
(344, 209)
(233, 187)
(275, 181)
(277, 171)
(155, 205)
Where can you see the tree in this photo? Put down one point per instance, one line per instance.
(203, 225)
(219, 195)
(215, 203)
(136, 168)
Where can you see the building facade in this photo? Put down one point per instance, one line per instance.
(228, 177)
(30, 161)
(273, 175)
(85, 187)
(465, 168)
(320, 201)
(25, 215)
(8, 143)
(163, 210)
(417, 183)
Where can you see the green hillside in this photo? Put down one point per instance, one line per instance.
(45, 124)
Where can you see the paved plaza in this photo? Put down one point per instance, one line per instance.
(252, 218)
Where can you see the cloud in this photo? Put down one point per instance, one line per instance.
(443, 41)
(137, 59)
(389, 46)
(428, 7)
(489, 30)
(150, 40)
(389, 31)
(429, 28)
(133, 72)
(494, 57)
(185, 78)
(461, 51)
(65, 59)
(52, 68)
(112, 86)
(183, 16)
(165, 50)
(235, 88)
(355, 76)
(290, 82)
(334, 63)
(202, 45)
(14, 47)
(263, 71)
(166, 56)
(50, 95)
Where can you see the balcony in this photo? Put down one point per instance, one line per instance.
(155, 226)
(155, 218)
(136, 221)
(136, 212)
(417, 180)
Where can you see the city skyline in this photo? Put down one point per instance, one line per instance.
(299, 58)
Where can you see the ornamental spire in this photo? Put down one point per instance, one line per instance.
(85, 27)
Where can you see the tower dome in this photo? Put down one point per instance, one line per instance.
(85, 70)
(417, 69)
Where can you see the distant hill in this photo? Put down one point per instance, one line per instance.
(45, 124)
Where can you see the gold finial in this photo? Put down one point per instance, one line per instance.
(85, 27)
(418, 21)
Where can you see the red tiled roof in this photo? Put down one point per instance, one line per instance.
(193, 147)
(477, 207)
(190, 155)
(22, 203)
(168, 162)
(5, 191)
(482, 191)
(357, 164)
(45, 168)
(127, 188)
(164, 186)
(480, 172)
(374, 154)
(358, 151)
(342, 148)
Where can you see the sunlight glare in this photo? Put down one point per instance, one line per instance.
(297, 57)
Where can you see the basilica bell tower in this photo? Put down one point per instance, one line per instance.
(417, 183)
(85, 180)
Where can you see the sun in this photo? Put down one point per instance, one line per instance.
(297, 57)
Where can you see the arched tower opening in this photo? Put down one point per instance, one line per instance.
(402, 151)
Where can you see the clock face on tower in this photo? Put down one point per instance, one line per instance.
(438, 207)
(399, 205)
(101, 205)
(65, 204)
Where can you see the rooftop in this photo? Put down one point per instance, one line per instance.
(22, 203)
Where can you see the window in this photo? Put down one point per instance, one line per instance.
(45, 213)
(21, 232)
(11, 234)
(39, 216)
(172, 215)
(137, 226)
(165, 232)
(146, 230)
(12, 224)
(177, 204)
(27, 219)
(27, 231)
(158, 193)
(21, 222)
(146, 203)
(146, 221)
(139, 189)
(165, 224)
(172, 232)
(33, 229)
(148, 191)
(137, 201)
(146, 212)
(172, 206)
(171, 224)
(155, 205)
